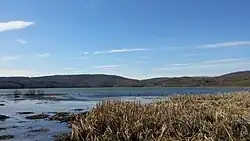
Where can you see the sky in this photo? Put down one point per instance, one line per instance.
(132, 38)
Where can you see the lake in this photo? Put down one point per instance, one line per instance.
(69, 99)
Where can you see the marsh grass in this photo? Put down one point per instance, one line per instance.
(187, 117)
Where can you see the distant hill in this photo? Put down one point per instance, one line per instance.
(68, 81)
(236, 79)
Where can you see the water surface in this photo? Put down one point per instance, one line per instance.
(68, 99)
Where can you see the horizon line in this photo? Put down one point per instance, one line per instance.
(51, 75)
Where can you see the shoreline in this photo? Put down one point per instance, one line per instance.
(89, 88)
(234, 79)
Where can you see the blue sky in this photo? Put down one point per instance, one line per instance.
(133, 38)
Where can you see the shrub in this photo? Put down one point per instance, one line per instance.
(31, 92)
(40, 92)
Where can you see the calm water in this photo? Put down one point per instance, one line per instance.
(66, 100)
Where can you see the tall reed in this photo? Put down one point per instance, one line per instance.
(218, 117)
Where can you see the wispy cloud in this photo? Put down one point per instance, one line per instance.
(226, 44)
(141, 62)
(204, 64)
(143, 57)
(82, 58)
(9, 58)
(178, 65)
(224, 60)
(44, 55)
(109, 66)
(120, 50)
(185, 67)
(14, 25)
(169, 48)
(21, 41)
(194, 54)
(16, 72)
(84, 53)
(69, 68)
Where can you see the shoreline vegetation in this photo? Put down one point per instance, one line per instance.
(28, 93)
(181, 117)
(236, 79)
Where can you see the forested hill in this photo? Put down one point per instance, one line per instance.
(237, 79)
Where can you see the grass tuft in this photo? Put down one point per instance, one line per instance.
(186, 117)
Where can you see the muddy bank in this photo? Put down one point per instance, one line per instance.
(69, 118)
(65, 116)
(3, 117)
(2, 129)
(38, 116)
(44, 130)
(25, 113)
(77, 110)
(6, 137)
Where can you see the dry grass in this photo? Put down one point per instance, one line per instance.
(190, 118)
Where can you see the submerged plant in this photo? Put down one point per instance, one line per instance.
(33, 92)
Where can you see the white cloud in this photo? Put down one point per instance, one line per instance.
(177, 65)
(170, 48)
(197, 66)
(44, 55)
(120, 50)
(109, 66)
(227, 44)
(9, 58)
(16, 72)
(98, 52)
(69, 68)
(204, 70)
(127, 50)
(224, 60)
(143, 57)
(205, 64)
(21, 41)
(84, 53)
(14, 25)
(141, 62)
(194, 54)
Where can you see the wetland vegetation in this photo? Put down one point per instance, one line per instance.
(184, 117)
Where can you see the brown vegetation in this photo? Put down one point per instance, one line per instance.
(40, 130)
(38, 116)
(61, 116)
(192, 118)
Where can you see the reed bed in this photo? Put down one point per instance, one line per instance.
(220, 117)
